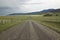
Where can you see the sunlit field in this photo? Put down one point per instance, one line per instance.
(52, 22)
(9, 21)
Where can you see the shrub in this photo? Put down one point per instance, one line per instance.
(47, 15)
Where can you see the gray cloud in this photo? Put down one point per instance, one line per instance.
(9, 6)
(24, 0)
(4, 3)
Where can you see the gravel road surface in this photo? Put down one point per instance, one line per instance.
(29, 30)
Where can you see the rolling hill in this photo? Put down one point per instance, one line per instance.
(53, 11)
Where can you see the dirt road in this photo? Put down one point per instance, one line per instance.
(29, 30)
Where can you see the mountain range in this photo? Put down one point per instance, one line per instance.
(39, 12)
(10, 11)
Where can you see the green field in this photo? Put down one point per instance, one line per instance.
(52, 22)
(9, 21)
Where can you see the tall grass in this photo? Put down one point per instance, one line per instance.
(52, 22)
(8, 21)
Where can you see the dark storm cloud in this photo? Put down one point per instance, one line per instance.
(9, 6)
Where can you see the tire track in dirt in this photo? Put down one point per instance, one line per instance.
(29, 30)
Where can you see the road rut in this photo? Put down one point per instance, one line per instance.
(29, 30)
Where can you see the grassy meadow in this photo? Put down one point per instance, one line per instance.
(52, 22)
(8, 21)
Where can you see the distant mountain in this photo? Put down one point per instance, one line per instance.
(38, 13)
(31, 13)
(10, 11)
(57, 10)
(51, 10)
(48, 10)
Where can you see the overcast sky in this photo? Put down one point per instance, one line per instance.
(30, 5)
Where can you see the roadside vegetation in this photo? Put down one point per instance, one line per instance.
(50, 21)
(9, 21)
